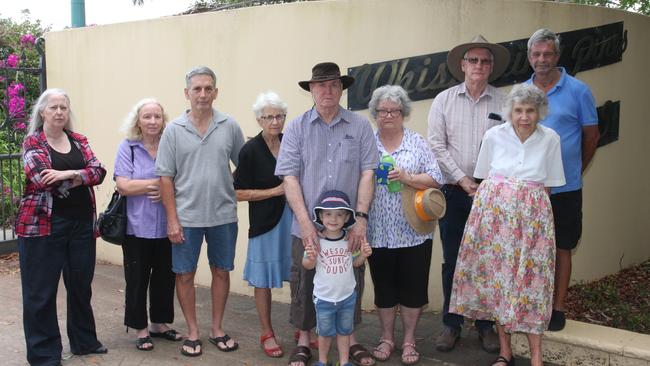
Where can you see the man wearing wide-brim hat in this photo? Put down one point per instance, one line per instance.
(458, 118)
(325, 148)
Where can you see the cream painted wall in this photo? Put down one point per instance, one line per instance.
(106, 69)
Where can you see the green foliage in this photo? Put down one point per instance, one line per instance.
(637, 6)
(12, 130)
(11, 32)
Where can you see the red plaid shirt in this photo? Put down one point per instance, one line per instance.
(35, 212)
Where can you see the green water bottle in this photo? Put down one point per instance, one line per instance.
(393, 186)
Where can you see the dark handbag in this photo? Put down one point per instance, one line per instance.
(112, 222)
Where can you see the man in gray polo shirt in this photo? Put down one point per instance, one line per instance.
(193, 163)
(325, 148)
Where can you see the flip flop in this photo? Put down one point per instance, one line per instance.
(193, 345)
(140, 343)
(169, 334)
(224, 340)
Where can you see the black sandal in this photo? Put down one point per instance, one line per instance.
(502, 359)
(140, 343)
(224, 340)
(192, 344)
(300, 354)
(169, 334)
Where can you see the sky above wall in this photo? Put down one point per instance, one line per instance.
(57, 12)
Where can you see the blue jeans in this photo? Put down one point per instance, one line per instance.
(334, 318)
(69, 249)
(452, 226)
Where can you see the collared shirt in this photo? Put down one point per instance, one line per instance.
(200, 166)
(457, 124)
(538, 159)
(571, 107)
(326, 156)
(145, 218)
(387, 227)
(35, 211)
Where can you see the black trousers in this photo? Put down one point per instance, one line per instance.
(148, 266)
(68, 250)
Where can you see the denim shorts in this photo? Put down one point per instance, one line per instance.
(221, 241)
(334, 318)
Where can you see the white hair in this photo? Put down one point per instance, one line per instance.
(36, 120)
(268, 99)
(526, 94)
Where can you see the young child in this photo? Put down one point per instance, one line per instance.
(334, 283)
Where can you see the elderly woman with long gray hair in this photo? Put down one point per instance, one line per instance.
(268, 261)
(56, 231)
(401, 257)
(147, 250)
(506, 263)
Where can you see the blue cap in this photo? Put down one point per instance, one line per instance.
(334, 200)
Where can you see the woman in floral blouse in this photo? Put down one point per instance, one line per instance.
(56, 229)
(401, 257)
(506, 263)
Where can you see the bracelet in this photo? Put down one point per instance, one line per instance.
(361, 214)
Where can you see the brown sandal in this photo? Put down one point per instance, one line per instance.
(414, 353)
(358, 353)
(383, 355)
(300, 354)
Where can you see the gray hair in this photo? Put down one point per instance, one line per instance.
(200, 70)
(36, 121)
(526, 94)
(268, 99)
(130, 125)
(544, 35)
(393, 93)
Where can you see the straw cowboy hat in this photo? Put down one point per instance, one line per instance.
(501, 57)
(326, 71)
(423, 208)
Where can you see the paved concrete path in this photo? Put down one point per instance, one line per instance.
(241, 322)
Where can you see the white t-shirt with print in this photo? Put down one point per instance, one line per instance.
(334, 280)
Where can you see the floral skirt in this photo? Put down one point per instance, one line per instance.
(506, 263)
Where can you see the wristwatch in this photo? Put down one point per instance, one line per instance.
(361, 214)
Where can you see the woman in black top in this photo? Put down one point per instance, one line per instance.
(269, 247)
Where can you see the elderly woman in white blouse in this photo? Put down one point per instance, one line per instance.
(401, 257)
(506, 263)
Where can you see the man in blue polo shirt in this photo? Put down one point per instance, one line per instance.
(572, 114)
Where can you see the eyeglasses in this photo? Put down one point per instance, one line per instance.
(277, 117)
(383, 113)
(475, 60)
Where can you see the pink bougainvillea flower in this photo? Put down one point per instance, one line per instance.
(17, 107)
(20, 126)
(27, 40)
(12, 60)
(15, 89)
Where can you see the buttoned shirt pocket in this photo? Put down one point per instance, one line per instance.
(350, 151)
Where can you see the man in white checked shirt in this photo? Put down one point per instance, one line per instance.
(458, 118)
